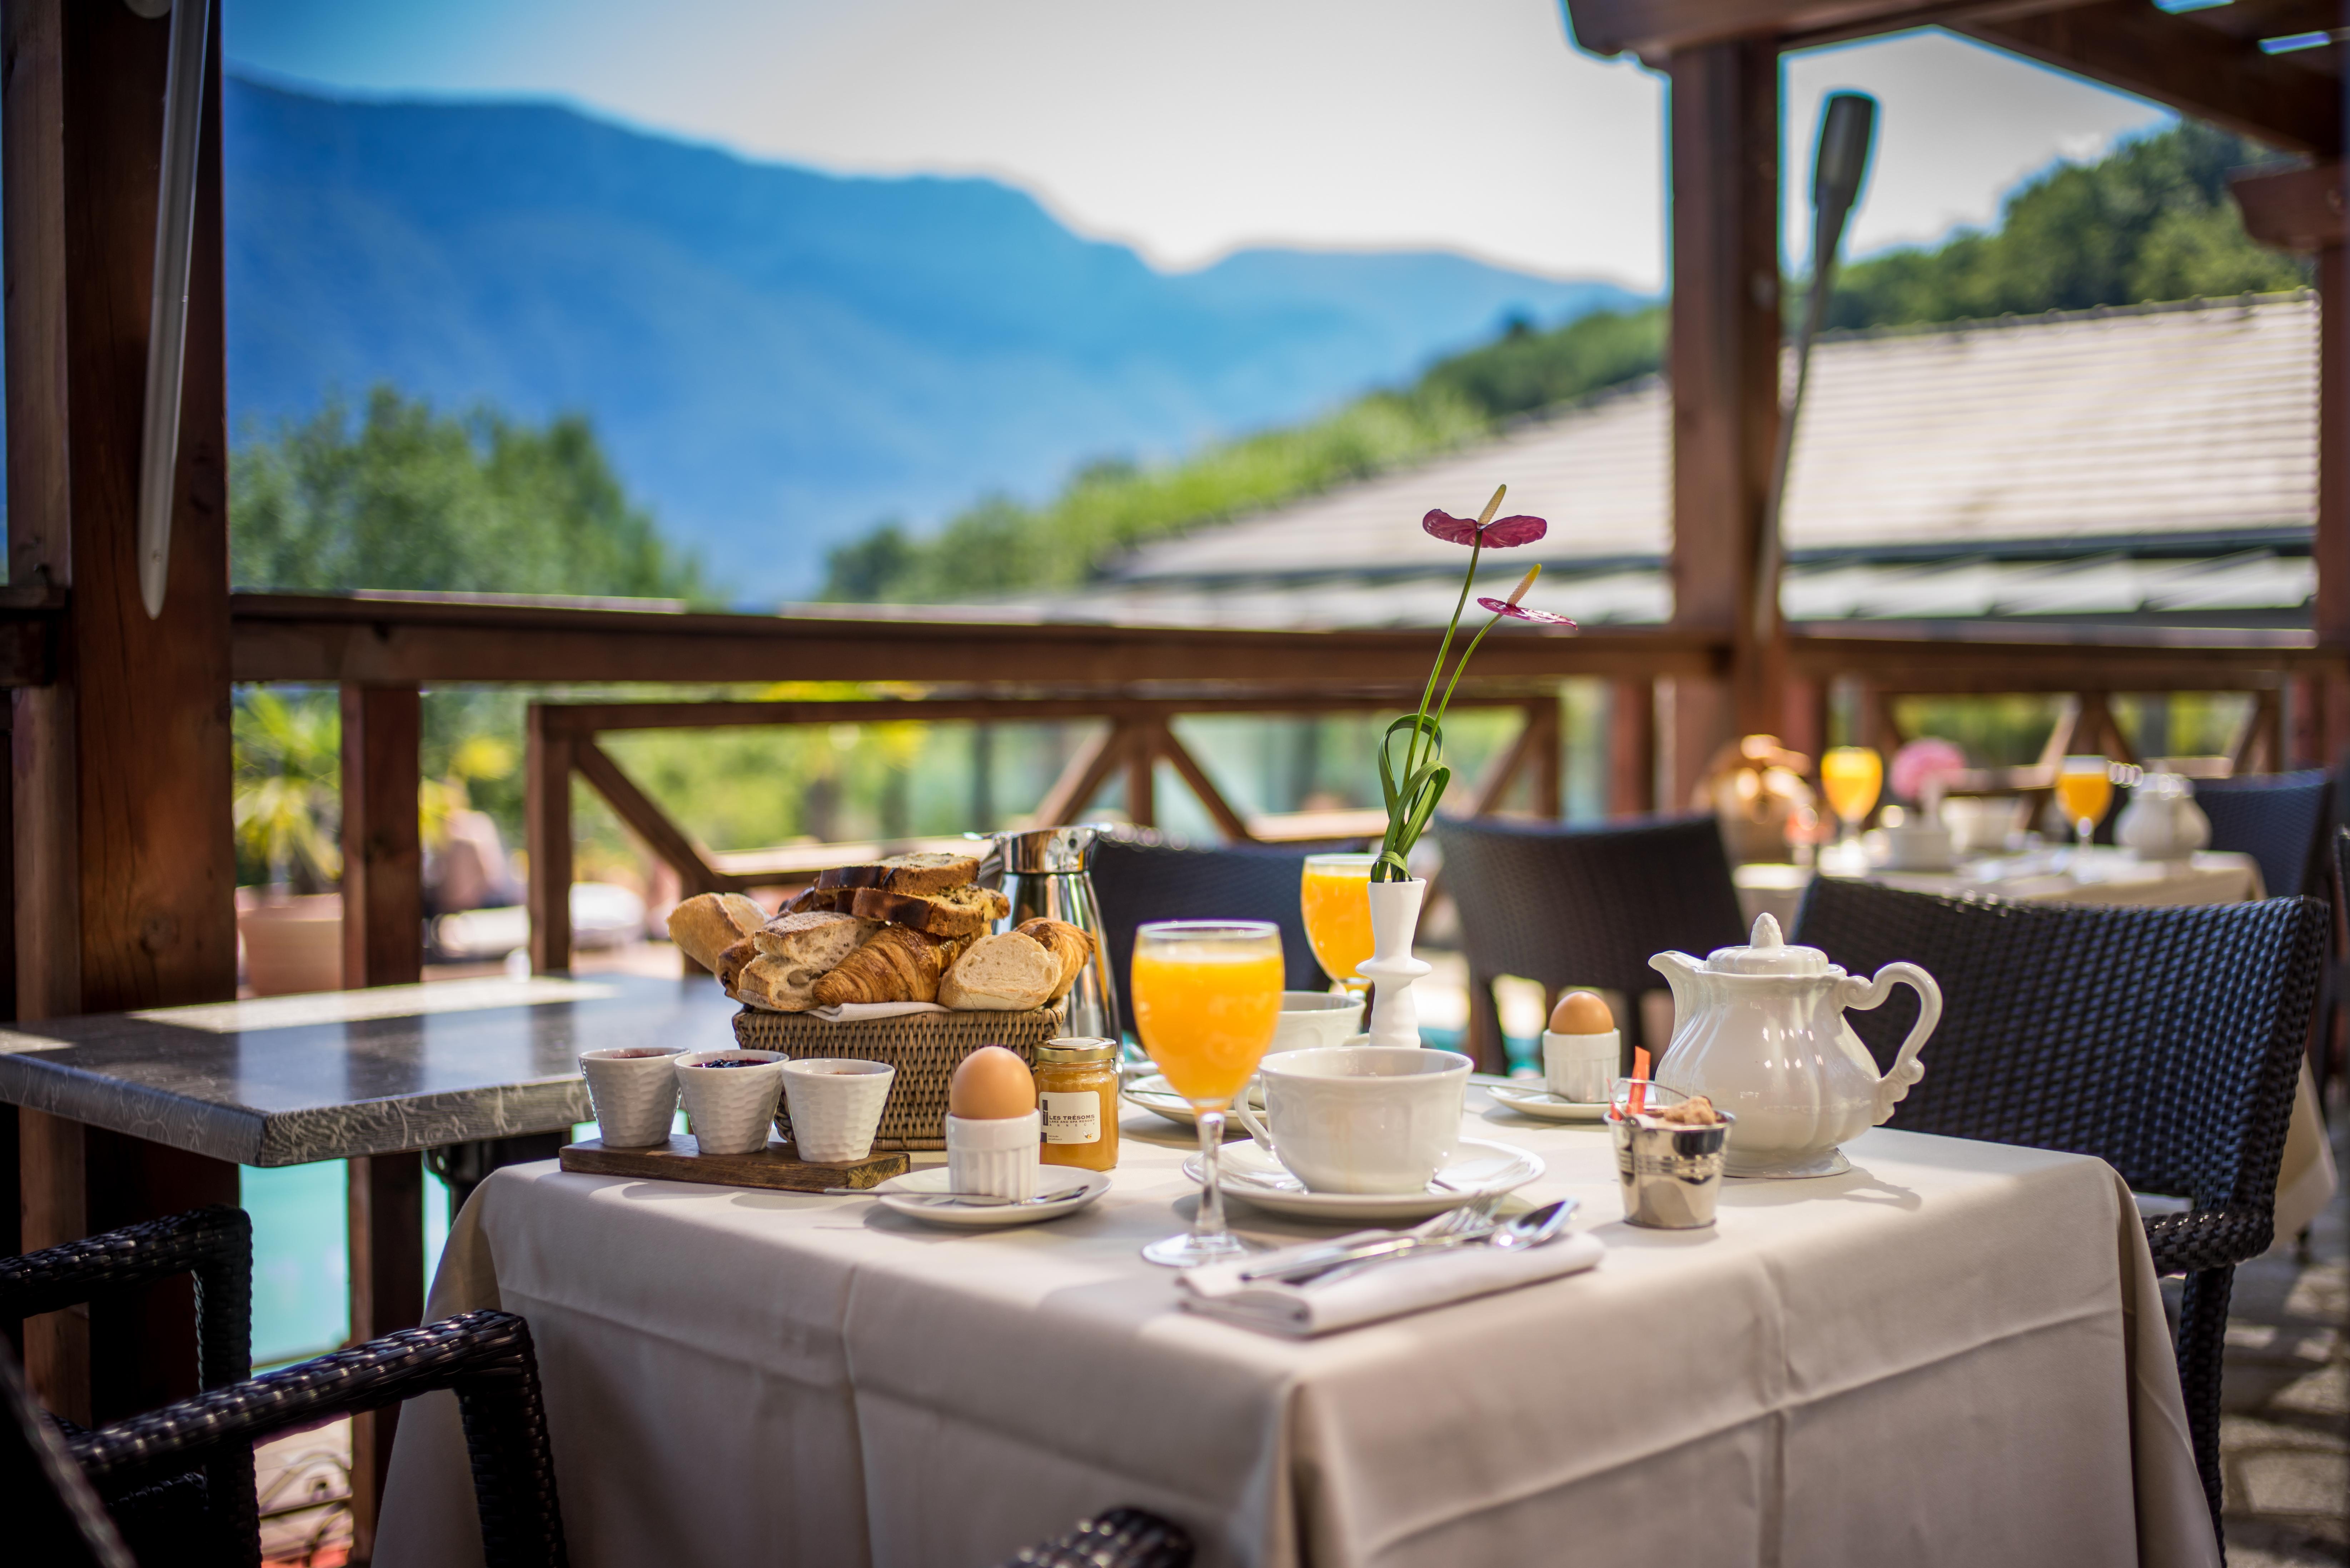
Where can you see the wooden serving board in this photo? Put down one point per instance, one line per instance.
(777, 1165)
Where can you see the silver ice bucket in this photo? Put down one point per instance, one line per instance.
(1671, 1175)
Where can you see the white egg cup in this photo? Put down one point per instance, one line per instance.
(997, 1156)
(835, 1106)
(1582, 1067)
(635, 1097)
(729, 1109)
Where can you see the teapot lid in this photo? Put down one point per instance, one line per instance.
(1767, 953)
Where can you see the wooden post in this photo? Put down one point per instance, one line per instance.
(547, 833)
(126, 872)
(1725, 351)
(1141, 776)
(1631, 748)
(2331, 547)
(387, 1253)
(1549, 785)
(384, 858)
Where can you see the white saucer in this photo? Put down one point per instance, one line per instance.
(903, 1193)
(1528, 1100)
(1153, 1095)
(1477, 1169)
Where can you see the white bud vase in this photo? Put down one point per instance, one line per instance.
(1395, 921)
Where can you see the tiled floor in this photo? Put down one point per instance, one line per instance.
(305, 1482)
(2285, 1438)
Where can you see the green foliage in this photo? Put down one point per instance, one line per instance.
(1524, 369)
(409, 498)
(286, 751)
(2152, 221)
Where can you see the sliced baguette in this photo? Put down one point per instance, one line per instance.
(1068, 944)
(777, 985)
(963, 911)
(834, 900)
(707, 924)
(930, 871)
(1008, 972)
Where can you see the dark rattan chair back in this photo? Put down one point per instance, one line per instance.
(1122, 1538)
(2165, 1041)
(1587, 906)
(2280, 820)
(1140, 880)
(54, 1516)
(209, 1517)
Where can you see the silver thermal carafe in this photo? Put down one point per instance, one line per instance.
(1047, 871)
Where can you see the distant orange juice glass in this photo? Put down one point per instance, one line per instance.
(1335, 900)
(1207, 999)
(2084, 788)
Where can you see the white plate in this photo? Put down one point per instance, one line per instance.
(1477, 1169)
(903, 1193)
(1153, 1095)
(1530, 1101)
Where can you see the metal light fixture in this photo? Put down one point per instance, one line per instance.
(167, 315)
(1839, 167)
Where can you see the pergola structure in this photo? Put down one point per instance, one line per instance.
(1722, 60)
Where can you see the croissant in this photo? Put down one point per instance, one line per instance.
(1069, 944)
(733, 961)
(899, 964)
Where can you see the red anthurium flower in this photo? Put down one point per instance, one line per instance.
(1501, 533)
(1520, 612)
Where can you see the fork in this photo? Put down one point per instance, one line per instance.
(1471, 1219)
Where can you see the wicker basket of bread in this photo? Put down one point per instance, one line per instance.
(912, 928)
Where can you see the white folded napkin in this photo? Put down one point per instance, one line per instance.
(1378, 1291)
(853, 1012)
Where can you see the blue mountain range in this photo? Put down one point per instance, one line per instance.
(776, 357)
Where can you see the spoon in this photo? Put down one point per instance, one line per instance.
(1531, 1229)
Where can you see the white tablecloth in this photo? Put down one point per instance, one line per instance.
(2306, 1179)
(1954, 1354)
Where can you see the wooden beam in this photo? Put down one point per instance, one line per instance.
(1195, 778)
(1141, 753)
(322, 638)
(1631, 748)
(2174, 60)
(2330, 549)
(645, 818)
(1657, 28)
(2292, 209)
(582, 719)
(547, 834)
(383, 854)
(1725, 350)
(1492, 787)
(386, 1208)
(1089, 768)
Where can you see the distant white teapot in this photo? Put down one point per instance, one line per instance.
(1760, 1030)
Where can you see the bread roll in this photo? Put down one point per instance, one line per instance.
(897, 963)
(1067, 943)
(1008, 972)
(709, 923)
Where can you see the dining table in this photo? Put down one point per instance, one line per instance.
(2101, 874)
(1954, 1353)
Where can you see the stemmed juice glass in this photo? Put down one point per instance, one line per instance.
(1850, 777)
(1207, 998)
(2084, 788)
(1335, 897)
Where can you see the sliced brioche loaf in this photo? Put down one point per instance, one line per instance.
(930, 871)
(1008, 972)
(962, 911)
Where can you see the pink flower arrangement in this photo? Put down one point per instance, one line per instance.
(1918, 764)
(1411, 804)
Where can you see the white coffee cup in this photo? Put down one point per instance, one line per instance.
(1312, 1018)
(634, 1092)
(1919, 846)
(1361, 1119)
(730, 1108)
(1582, 1067)
(835, 1106)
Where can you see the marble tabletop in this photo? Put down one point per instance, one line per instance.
(291, 1079)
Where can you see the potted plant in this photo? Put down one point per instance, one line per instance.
(287, 801)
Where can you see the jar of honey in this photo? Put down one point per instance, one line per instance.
(1076, 1090)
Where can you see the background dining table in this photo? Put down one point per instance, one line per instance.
(1956, 1353)
(2306, 1179)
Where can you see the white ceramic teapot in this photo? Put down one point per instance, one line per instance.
(2162, 821)
(1760, 1030)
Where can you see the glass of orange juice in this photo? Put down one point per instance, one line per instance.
(1207, 997)
(1850, 777)
(2084, 788)
(1335, 897)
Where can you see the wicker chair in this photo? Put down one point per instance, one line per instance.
(208, 1516)
(2278, 819)
(54, 1517)
(1141, 878)
(1584, 906)
(1122, 1538)
(2165, 1041)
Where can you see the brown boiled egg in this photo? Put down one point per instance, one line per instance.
(991, 1085)
(1580, 1012)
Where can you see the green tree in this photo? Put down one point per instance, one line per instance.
(403, 497)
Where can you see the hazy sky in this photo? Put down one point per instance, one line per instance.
(1187, 130)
